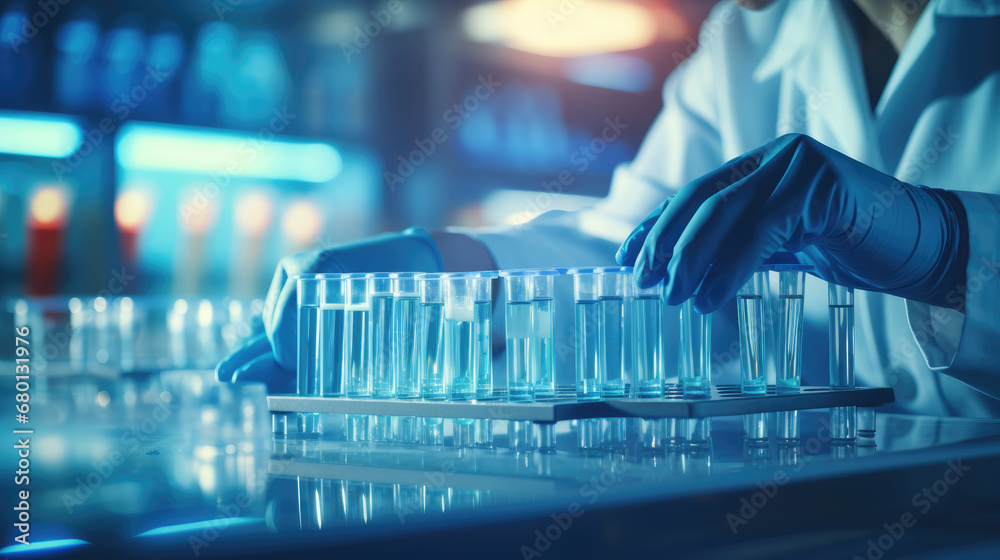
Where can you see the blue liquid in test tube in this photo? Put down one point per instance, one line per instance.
(357, 336)
(405, 311)
(695, 351)
(750, 310)
(647, 340)
(430, 337)
(380, 296)
(615, 299)
(307, 373)
(320, 335)
(468, 338)
(528, 311)
(587, 342)
(788, 340)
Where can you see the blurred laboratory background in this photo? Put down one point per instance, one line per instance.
(179, 148)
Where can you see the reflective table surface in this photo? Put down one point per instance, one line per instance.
(174, 464)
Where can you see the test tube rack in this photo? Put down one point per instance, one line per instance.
(726, 400)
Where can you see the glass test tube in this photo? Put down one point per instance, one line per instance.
(791, 293)
(587, 342)
(308, 292)
(357, 336)
(841, 337)
(331, 337)
(695, 351)
(750, 309)
(615, 298)
(405, 311)
(430, 336)
(528, 313)
(468, 350)
(380, 296)
(647, 342)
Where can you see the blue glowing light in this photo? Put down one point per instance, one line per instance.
(204, 151)
(38, 134)
(39, 546)
(201, 525)
(611, 71)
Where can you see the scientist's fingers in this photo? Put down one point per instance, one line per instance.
(264, 369)
(253, 348)
(743, 258)
(633, 243)
(284, 324)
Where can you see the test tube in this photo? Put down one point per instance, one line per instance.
(307, 371)
(615, 298)
(695, 351)
(841, 337)
(750, 310)
(357, 333)
(587, 342)
(380, 296)
(320, 322)
(430, 336)
(528, 312)
(405, 311)
(647, 342)
(791, 293)
(468, 340)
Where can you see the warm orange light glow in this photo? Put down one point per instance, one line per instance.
(196, 214)
(132, 210)
(565, 28)
(253, 214)
(48, 207)
(301, 222)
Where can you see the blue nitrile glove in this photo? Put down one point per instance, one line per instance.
(271, 356)
(856, 226)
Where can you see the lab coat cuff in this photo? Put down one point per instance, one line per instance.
(967, 346)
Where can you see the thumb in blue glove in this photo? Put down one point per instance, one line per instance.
(856, 226)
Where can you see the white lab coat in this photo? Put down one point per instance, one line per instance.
(795, 67)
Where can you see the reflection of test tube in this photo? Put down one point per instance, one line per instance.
(750, 308)
(647, 340)
(844, 423)
(357, 343)
(430, 336)
(528, 312)
(468, 340)
(380, 296)
(695, 351)
(615, 291)
(589, 379)
(791, 292)
(405, 309)
(841, 337)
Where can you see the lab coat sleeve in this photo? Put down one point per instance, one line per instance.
(967, 347)
(682, 144)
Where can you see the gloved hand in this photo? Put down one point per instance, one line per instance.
(271, 356)
(856, 226)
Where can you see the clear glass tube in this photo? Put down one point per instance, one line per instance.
(844, 423)
(841, 337)
(787, 429)
(750, 309)
(308, 292)
(587, 342)
(866, 422)
(615, 299)
(647, 342)
(380, 296)
(468, 311)
(430, 336)
(357, 336)
(695, 351)
(405, 311)
(791, 294)
(331, 337)
(528, 311)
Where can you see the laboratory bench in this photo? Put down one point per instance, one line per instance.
(173, 464)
